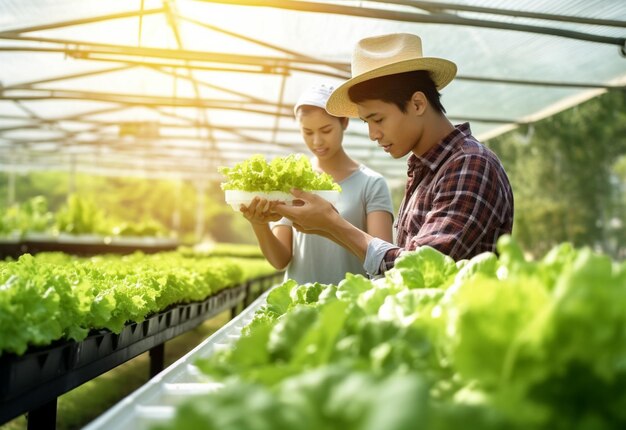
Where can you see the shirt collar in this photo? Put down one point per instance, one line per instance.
(440, 152)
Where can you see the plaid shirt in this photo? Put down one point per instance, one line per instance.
(457, 199)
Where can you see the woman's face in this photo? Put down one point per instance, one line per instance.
(322, 133)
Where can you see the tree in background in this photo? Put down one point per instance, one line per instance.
(565, 173)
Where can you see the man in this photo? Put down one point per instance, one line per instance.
(457, 199)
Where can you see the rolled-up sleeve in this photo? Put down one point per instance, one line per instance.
(375, 254)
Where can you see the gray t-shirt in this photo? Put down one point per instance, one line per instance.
(317, 259)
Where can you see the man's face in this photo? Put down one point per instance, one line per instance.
(397, 132)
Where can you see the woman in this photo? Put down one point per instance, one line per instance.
(365, 201)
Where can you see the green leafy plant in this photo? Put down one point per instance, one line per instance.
(501, 341)
(80, 216)
(30, 216)
(53, 296)
(280, 174)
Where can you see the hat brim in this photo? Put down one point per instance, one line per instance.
(441, 72)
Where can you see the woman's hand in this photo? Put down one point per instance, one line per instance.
(260, 211)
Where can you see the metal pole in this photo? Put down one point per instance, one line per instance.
(200, 197)
(395, 15)
(44, 417)
(11, 174)
(72, 175)
(431, 5)
(157, 359)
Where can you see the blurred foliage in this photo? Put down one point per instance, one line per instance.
(32, 215)
(134, 204)
(568, 174)
(78, 215)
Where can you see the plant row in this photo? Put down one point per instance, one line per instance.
(78, 216)
(54, 296)
(495, 342)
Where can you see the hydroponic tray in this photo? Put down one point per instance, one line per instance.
(40, 375)
(11, 246)
(155, 402)
(236, 198)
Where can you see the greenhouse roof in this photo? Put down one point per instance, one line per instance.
(174, 89)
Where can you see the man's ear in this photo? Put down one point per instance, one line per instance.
(418, 103)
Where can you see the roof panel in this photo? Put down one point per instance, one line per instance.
(224, 76)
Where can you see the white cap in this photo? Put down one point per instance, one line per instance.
(317, 95)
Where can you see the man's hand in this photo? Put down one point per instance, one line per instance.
(310, 213)
(313, 214)
(260, 211)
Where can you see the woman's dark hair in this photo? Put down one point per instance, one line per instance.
(397, 89)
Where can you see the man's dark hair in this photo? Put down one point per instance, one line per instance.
(397, 89)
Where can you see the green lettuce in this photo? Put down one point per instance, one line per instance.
(280, 174)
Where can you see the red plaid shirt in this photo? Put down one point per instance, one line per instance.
(457, 199)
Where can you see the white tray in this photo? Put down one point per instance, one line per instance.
(155, 402)
(236, 198)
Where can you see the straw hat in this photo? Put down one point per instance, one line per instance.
(387, 55)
